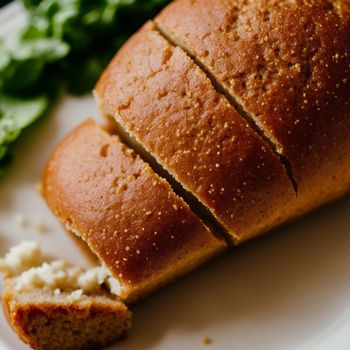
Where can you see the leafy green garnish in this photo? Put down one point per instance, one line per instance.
(15, 115)
(72, 37)
(64, 41)
(23, 62)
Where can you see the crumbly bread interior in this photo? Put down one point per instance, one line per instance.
(53, 305)
(27, 263)
(20, 258)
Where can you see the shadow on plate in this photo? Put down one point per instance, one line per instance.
(289, 284)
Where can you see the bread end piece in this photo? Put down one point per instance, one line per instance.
(48, 322)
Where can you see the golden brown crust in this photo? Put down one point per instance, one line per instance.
(129, 217)
(157, 93)
(288, 64)
(48, 322)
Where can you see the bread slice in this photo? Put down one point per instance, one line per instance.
(46, 321)
(53, 305)
(130, 218)
(164, 100)
(286, 64)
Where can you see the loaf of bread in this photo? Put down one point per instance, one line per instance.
(242, 106)
(55, 306)
(130, 218)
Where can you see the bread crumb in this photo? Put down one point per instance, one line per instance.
(40, 227)
(20, 258)
(207, 341)
(113, 285)
(76, 294)
(91, 280)
(20, 220)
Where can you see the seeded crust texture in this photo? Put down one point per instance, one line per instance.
(57, 322)
(130, 218)
(244, 102)
(287, 64)
(157, 93)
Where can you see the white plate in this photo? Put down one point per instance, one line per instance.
(289, 290)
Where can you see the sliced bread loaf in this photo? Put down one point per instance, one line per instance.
(163, 99)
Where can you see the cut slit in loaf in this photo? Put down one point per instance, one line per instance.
(130, 218)
(193, 132)
(285, 64)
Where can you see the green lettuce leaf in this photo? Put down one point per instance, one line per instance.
(15, 115)
(64, 41)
